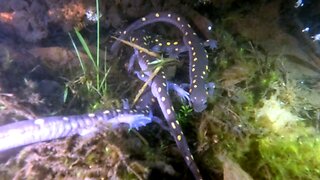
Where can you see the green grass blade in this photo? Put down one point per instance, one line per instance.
(85, 46)
(98, 34)
(78, 54)
(65, 94)
(97, 60)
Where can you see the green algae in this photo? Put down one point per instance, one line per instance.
(260, 116)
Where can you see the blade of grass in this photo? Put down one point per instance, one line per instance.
(78, 54)
(153, 54)
(98, 84)
(85, 46)
(65, 93)
(155, 72)
(106, 72)
(104, 79)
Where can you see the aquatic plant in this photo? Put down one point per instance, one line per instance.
(287, 157)
(184, 114)
(94, 75)
(259, 117)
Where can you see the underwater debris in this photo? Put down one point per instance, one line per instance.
(274, 115)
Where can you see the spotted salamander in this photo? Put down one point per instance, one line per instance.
(198, 57)
(43, 129)
(173, 49)
(159, 89)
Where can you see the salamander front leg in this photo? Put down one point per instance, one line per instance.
(210, 88)
(183, 94)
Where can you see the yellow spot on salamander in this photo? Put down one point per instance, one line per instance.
(194, 81)
(193, 69)
(194, 53)
(177, 122)
(189, 42)
(160, 44)
(186, 34)
(176, 49)
(163, 99)
(195, 86)
(195, 59)
(189, 26)
(157, 15)
(168, 111)
(159, 89)
(168, 43)
(106, 112)
(39, 121)
(187, 158)
(178, 19)
(175, 43)
(91, 115)
(169, 15)
(143, 19)
(173, 125)
(65, 118)
(204, 72)
(179, 137)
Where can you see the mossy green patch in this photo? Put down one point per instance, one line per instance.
(291, 157)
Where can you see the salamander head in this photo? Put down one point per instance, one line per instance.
(198, 101)
(199, 105)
